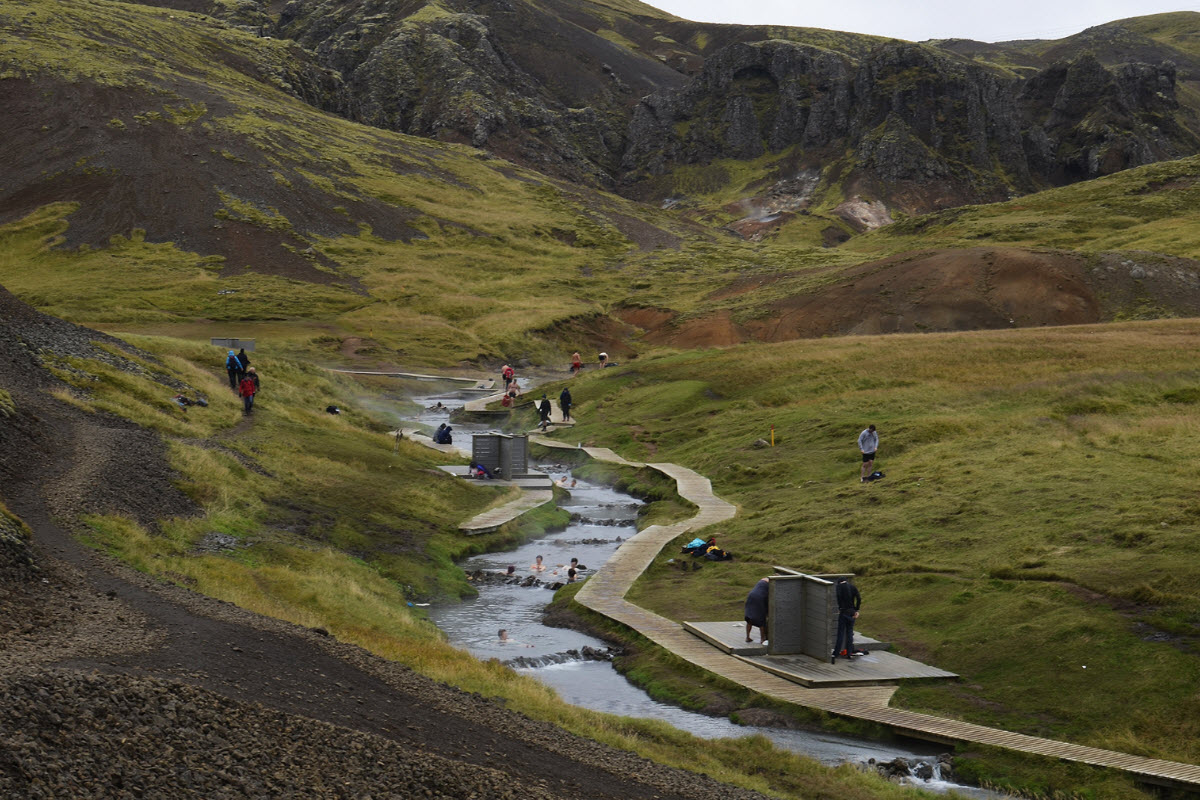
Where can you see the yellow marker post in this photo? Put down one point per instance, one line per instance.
(772, 436)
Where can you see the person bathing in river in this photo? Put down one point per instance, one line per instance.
(505, 640)
(537, 565)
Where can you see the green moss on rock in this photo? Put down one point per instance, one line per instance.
(16, 558)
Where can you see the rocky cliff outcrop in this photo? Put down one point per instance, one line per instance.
(912, 117)
(515, 80)
(625, 98)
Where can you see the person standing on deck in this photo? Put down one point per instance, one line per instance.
(564, 402)
(849, 601)
(544, 412)
(756, 609)
(868, 443)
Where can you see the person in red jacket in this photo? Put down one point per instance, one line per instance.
(247, 388)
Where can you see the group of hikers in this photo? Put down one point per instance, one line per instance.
(243, 379)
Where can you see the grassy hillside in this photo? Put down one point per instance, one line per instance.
(1038, 513)
(264, 217)
(1149, 209)
(323, 521)
(303, 215)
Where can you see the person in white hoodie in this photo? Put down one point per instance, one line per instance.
(868, 443)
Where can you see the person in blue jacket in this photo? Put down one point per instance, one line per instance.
(234, 368)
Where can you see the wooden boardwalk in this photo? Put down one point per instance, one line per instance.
(480, 405)
(481, 384)
(605, 592)
(492, 519)
(423, 438)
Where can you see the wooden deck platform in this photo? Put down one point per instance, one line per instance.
(480, 406)
(730, 637)
(537, 481)
(878, 668)
(605, 592)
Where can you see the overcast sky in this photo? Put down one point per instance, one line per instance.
(916, 20)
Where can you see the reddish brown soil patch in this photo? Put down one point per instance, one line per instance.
(645, 317)
(951, 290)
(714, 330)
(948, 290)
(757, 229)
(591, 335)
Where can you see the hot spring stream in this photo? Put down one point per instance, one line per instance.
(601, 518)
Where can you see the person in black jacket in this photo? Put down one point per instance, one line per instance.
(544, 411)
(564, 402)
(849, 601)
(243, 359)
(756, 609)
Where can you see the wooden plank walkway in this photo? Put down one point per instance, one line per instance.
(480, 405)
(490, 520)
(605, 592)
(424, 439)
(481, 384)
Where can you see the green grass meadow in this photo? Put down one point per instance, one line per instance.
(1038, 517)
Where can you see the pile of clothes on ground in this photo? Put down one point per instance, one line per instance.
(706, 548)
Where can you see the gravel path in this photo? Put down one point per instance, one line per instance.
(117, 686)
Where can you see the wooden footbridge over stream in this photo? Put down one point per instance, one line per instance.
(866, 699)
